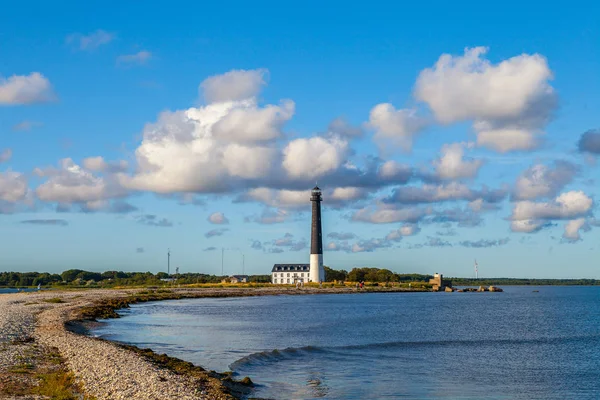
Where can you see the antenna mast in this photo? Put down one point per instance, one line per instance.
(476, 270)
(169, 262)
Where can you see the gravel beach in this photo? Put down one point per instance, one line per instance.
(33, 324)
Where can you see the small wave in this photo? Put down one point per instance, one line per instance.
(273, 356)
(267, 357)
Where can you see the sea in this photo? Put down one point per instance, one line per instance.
(524, 343)
(15, 290)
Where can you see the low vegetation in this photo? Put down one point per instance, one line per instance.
(76, 278)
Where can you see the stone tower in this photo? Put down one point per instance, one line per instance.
(317, 272)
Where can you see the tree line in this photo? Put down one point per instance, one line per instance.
(80, 277)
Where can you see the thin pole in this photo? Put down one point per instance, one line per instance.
(169, 262)
(222, 256)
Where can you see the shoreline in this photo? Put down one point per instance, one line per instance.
(53, 322)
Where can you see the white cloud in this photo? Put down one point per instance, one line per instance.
(180, 153)
(25, 89)
(98, 164)
(344, 194)
(70, 183)
(398, 127)
(505, 139)
(278, 198)
(218, 218)
(386, 214)
(509, 102)
(139, 58)
(541, 180)
(527, 226)
(13, 187)
(234, 85)
(405, 230)
(572, 229)
(254, 124)
(314, 157)
(90, 41)
(392, 171)
(452, 164)
(5, 155)
(529, 216)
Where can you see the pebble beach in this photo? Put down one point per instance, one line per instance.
(36, 324)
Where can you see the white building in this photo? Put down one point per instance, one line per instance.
(284, 274)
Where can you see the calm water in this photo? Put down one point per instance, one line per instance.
(512, 345)
(13, 290)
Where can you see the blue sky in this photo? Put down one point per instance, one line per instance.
(440, 133)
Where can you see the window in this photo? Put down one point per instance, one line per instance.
(288, 280)
(288, 277)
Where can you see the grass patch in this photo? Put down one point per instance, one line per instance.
(57, 385)
(54, 300)
(23, 368)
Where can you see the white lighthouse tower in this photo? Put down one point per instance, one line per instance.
(317, 272)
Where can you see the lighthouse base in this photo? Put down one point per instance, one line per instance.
(317, 272)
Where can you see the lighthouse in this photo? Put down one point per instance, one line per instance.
(317, 272)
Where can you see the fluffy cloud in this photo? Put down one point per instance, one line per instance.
(253, 124)
(405, 230)
(234, 85)
(218, 218)
(398, 127)
(90, 41)
(139, 58)
(568, 205)
(204, 164)
(394, 171)
(343, 195)
(385, 214)
(509, 103)
(98, 164)
(572, 229)
(590, 142)
(452, 165)
(72, 184)
(25, 89)
(5, 155)
(13, 187)
(277, 198)
(528, 216)
(314, 157)
(544, 181)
